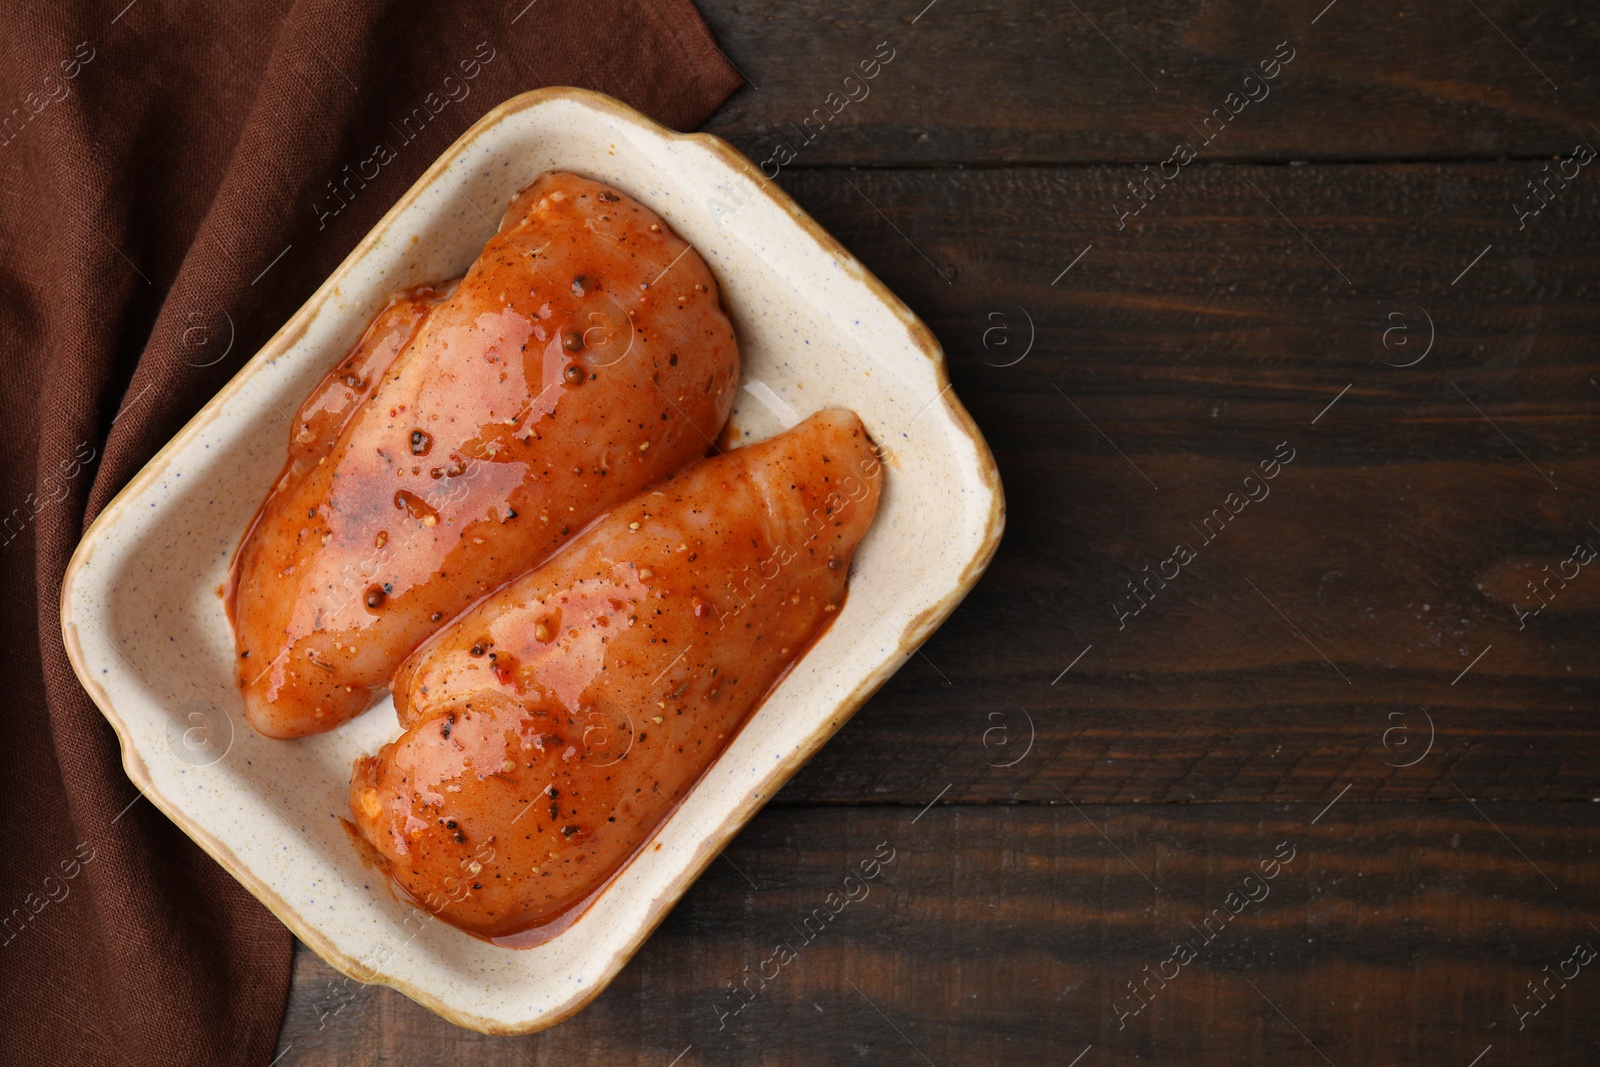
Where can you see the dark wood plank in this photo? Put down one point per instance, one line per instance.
(1018, 82)
(1313, 654)
(1398, 543)
(1397, 933)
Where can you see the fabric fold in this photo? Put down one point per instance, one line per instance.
(172, 187)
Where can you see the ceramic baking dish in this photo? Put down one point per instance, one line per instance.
(143, 620)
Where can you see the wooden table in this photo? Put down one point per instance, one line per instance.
(1318, 786)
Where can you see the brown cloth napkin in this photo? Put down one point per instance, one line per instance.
(166, 170)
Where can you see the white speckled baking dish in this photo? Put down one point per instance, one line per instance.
(144, 624)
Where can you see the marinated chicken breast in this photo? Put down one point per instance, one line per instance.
(554, 726)
(327, 411)
(584, 355)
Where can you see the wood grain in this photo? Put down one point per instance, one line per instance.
(1397, 543)
(1018, 82)
(1341, 666)
(1396, 933)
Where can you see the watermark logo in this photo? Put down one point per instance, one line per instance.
(999, 741)
(1003, 337)
(606, 333)
(606, 739)
(1405, 344)
(200, 733)
(1397, 739)
(205, 340)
